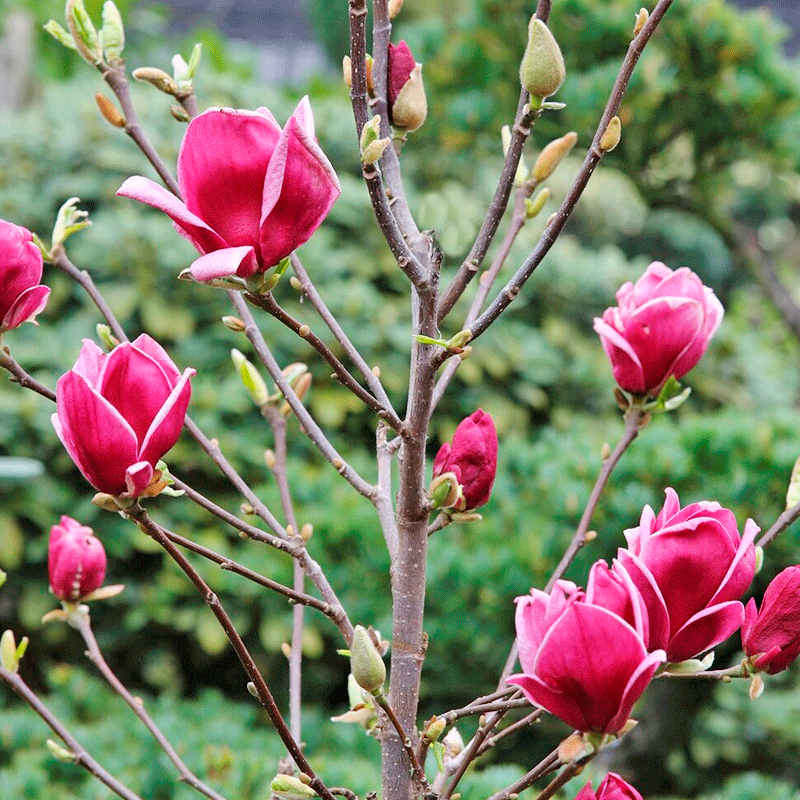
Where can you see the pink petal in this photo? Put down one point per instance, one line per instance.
(25, 308)
(146, 344)
(21, 266)
(221, 166)
(657, 614)
(135, 385)
(239, 261)
(137, 478)
(101, 443)
(204, 238)
(90, 362)
(636, 686)
(625, 363)
(167, 424)
(709, 627)
(556, 702)
(440, 462)
(298, 191)
(743, 567)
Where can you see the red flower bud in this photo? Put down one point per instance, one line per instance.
(661, 328)
(771, 637)
(76, 560)
(472, 458)
(612, 787)
(401, 63)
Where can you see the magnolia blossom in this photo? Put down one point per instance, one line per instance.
(661, 327)
(117, 414)
(21, 296)
(581, 662)
(76, 560)
(252, 192)
(612, 787)
(690, 567)
(472, 458)
(771, 635)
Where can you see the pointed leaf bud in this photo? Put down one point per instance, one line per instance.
(10, 652)
(551, 156)
(445, 491)
(251, 378)
(3, 577)
(374, 150)
(370, 133)
(76, 561)
(233, 324)
(394, 8)
(542, 70)
(112, 34)
(61, 753)
(288, 787)
(84, 34)
(163, 81)
(611, 136)
(434, 729)
(641, 19)
(59, 34)
(366, 663)
(109, 111)
(68, 221)
(533, 207)
(793, 492)
(347, 71)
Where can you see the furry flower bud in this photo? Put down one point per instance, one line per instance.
(542, 70)
(76, 560)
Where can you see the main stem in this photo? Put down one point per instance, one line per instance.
(408, 571)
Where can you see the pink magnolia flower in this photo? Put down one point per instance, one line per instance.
(21, 298)
(253, 193)
(472, 458)
(612, 787)
(118, 414)
(692, 564)
(661, 327)
(76, 560)
(581, 662)
(771, 636)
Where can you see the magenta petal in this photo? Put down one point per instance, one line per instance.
(743, 568)
(633, 691)
(146, 191)
(135, 385)
(705, 629)
(99, 440)
(557, 703)
(625, 363)
(221, 167)
(239, 261)
(441, 459)
(152, 348)
(167, 424)
(532, 624)
(90, 362)
(657, 614)
(299, 189)
(137, 478)
(26, 307)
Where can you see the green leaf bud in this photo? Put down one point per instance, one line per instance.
(61, 753)
(84, 34)
(793, 492)
(3, 577)
(8, 651)
(533, 207)
(59, 34)
(68, 221)
(251, 378)
(445, 491)
(366, 663)
(160, 79)
(112, 34)
(542, 70)
(641, 19)
(288, 787)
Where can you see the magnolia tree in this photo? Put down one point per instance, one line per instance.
(248, 192)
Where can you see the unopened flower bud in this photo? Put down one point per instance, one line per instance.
(411, 107)
(251, 378)
(453, 742)
(109, 111)
(76, 560)
(288, 787)
(112, 34)
(533, 207)
(641, 19)
(366, 663)
(551, 156)
(163, 81)
(542, 70)
(611, 136)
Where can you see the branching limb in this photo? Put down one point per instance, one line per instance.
(84, 626)
(310, 291)
(544, 767)
(569, 772)
(18, 375)
(513, 287)
(267, 303)
(310, 427)
(82, 758)
(519, 724)
(148, 526)
(781, 524)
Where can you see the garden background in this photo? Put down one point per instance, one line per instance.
(707, 176)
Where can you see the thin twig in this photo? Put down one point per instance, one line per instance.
(488, 708)
(310, 291)
(384, 504)
(544, 767)
(267, 303)
(18, 375)
(781, 524)
(82, 758)
(569, 772)
(309, 424)
(148, 526)
(527, 720)
(84, 626)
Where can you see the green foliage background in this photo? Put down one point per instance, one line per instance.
(710, 143)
